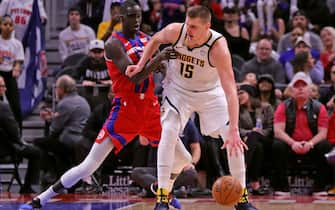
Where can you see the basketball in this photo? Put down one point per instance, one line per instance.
(227, 190)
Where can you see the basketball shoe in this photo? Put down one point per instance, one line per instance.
(172, 200)
(34, 204)
(244, 204)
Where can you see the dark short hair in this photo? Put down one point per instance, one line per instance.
(299, 60)
(115, 4)
(7, 16)
(199, 11)
(74, 9)
(299, 13)
(126, 4)
(231, 10)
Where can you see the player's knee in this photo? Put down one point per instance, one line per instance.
(87, 168)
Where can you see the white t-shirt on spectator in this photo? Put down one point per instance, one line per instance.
(20, 11)
(10, 50)
(73, 42)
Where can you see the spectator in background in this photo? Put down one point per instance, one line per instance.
(250, 78)
(76, 37)
(299, 18)
(3, 89)
(146, 177)
(256, 128)
(92, 11)
(300, 128)
(106, 28)
(288, 54)
(155, 14)
(331, 128)
(263, 63)
(67, 122)
(328, 93)
(92, 71)
(11, 144)
(331, 155)
(20, 12)
(267, 91)
(300, 44)
(11, 59)
(172, 11)
(238, 38)
(303, 61)
(267, 22)
(328, 40)
(315, 92)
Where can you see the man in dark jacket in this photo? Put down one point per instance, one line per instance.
(10, 143)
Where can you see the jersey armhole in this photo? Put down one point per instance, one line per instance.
(209, 50)
(180, 33)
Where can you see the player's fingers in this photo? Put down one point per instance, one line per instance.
(224, 145)
(244, 146)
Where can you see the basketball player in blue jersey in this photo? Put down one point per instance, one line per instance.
(200, 79)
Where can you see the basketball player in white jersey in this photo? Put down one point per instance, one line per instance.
(199, 80)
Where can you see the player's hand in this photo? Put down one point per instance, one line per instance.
(234, 143)
(168, 53)
(132, 70)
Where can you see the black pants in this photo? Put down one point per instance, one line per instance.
(259, 148)
(283, 154)
(12, 95)
(33, 154)
(213, 159)
(56, 157)
(30, 152)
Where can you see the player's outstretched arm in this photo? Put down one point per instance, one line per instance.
(221, 59)
(167, 35)
(153, 65)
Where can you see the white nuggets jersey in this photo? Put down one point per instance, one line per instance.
(193, 71)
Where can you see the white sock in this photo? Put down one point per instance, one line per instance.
(166, 148)
(182, 159)
(46, 195)
(237, 167)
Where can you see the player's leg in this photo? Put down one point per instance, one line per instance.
(214, 121)
(166, 153)
(96, 156)
(182, 159)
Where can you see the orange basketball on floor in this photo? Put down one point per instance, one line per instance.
(227, 190)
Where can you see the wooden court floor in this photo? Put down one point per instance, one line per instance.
(10, 201)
